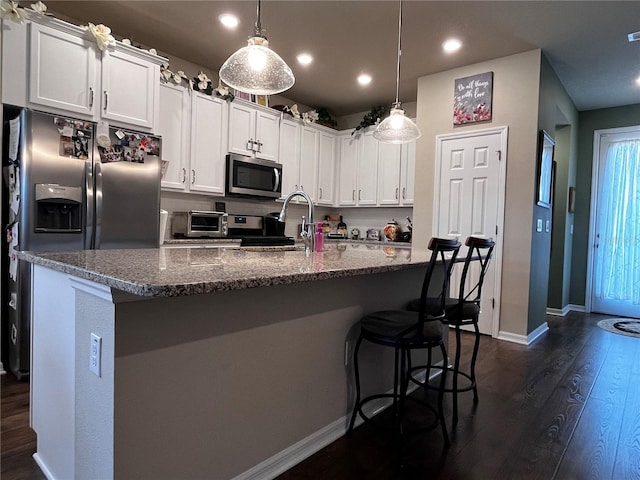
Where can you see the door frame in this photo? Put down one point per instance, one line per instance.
(503, 131)
(598, 136)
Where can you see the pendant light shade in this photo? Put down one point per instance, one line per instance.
(256, 68)
(397, 128)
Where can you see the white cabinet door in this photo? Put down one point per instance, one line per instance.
(389, 156)
(407, 180)
(289, 155)
(174, 126)
(347, 185)
(129, 89)
(62, 71)
(242, 128)
(326, 168)
(208, 144)
(367, 170)
(309, 138)
(267, 135)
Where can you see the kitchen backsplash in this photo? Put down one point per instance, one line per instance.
(360, 218)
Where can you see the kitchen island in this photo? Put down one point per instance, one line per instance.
(215, 363)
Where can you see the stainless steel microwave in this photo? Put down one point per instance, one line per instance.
(247, 176)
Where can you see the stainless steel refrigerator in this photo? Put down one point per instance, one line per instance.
(74, 194)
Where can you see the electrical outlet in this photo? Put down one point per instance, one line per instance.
(547, 226)
(95, 354)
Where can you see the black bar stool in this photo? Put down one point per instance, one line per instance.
(405, 331)
(465, 310)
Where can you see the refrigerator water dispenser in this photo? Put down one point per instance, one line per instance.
(58, 208)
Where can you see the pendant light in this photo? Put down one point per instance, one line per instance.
(256, 68)
(397, 128)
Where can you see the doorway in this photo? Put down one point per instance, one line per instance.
(614, 257)
(470, 177)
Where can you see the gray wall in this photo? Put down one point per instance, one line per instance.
(590, 121)
(549, 267)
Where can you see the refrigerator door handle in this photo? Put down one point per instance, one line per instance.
(88, 177)
(98, 221)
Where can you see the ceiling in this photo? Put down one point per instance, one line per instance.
(585, 41)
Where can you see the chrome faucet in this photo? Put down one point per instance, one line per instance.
(308, 227)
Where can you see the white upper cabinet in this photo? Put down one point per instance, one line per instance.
(309, 145)
(326, 168)
(347, 170)
(289, 155)
(130, 88)
(253, 131)
(389, 158)
(56, 67)
(194, 140)
(367, 176)
(407, 174)
(64, 71)
(208, 144)
(174, 126)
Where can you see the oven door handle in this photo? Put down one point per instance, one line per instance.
(276, 173)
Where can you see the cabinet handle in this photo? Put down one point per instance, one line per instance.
(106, 100)
(90, 97)
(302, 187)
(184, 175)
(259, 143)
(396, 193)
(250, 143)
(320, 192)
(296, 186)
(193, 178)
(404, 193)
(359, 195)
(353, 194)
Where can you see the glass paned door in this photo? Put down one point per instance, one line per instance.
(616, 272)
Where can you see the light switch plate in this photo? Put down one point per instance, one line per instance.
(547, 226)
(539, 225)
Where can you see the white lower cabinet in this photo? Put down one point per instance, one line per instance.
(194, 131)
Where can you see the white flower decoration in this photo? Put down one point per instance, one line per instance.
(126, 41)
(10, 10)
(203, 81)
(39, 7)
(222, 90)
(103, 36)
(294, 110)
(178, 76)
(153, 51)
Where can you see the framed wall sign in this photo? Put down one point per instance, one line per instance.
(546, 145)
(472, 99)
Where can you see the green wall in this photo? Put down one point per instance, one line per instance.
(589, 122)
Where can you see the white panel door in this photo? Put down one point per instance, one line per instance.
(267, 135)
(242, 127)
(129, 89)
(63, 71)
(469, 195)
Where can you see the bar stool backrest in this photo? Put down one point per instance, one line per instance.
(480, 250)
(444, 252)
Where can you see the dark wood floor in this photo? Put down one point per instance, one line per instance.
(566, 407)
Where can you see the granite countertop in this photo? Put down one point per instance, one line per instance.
(181, 271)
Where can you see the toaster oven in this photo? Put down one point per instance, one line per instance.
(198, 223)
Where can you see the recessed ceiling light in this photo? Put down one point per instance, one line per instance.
(228, 20)
(304, 58)
(364, 79)
(451, 45)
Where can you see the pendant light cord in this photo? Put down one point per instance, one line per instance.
(258, 26)
(399, 55)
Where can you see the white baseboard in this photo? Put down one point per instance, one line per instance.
(524, 339)
(556, 312)
(296, 453)
(43, 467)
